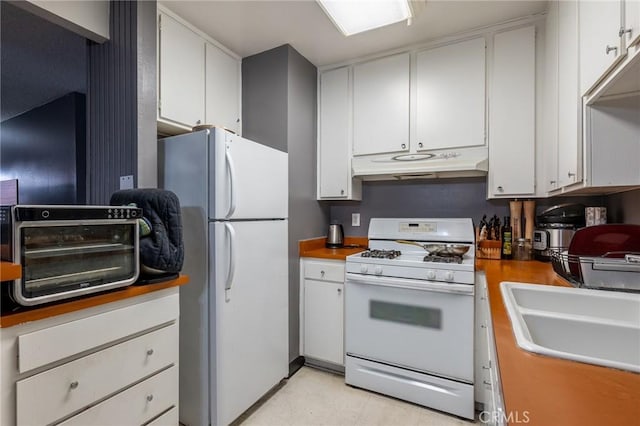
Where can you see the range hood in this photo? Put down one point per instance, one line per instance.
(463, 162)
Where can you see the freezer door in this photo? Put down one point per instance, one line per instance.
(250, 180)
(250, 345)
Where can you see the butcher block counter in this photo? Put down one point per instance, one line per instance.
(553, 391)
(315, 247)
(9, 272)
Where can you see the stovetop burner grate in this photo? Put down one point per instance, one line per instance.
(381, 254)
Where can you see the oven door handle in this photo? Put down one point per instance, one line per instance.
(410, 284)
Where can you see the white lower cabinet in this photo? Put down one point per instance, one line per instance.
(322, 310)
(127, 373)
(488, 391)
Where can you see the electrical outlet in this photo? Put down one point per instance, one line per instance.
(126, 182)
(355, 219)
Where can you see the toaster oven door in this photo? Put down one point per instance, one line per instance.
(66, 260)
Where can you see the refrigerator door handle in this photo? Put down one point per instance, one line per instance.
(232, 178)
(232, 260)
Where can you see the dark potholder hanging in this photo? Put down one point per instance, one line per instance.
(162, 249)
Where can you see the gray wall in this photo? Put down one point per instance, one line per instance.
(147, 95)
(624, 207)
(40, 61)
(432, 198)
(279, 110)
(112, 121)
(265, 97)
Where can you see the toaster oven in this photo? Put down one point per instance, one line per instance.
(68, 251)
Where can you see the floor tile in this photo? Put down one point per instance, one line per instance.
(317, 398)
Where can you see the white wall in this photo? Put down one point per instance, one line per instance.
(90, 19)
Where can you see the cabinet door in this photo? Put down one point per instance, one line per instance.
(550, 99)
(450, 96)
(631, 22)
(512, 118)
(600, 43)
(181, 97)
(222, 89)
(334, 163)
(324, 321)
(569, 100)
(381, 105)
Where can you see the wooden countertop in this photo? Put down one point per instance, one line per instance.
(314, 247)
(27, 314)
(10, 271)
(554, 391)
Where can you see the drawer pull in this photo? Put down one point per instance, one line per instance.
(322, 274)
(485, 368)
(73, 385)
(486, 383)
(150, 397)
(149, 352)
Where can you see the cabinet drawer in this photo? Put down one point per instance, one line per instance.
(170, 418)
(55, 343)
(70, 387)
(135, 405)
(324, 271)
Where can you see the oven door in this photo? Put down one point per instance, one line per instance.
(419, 325)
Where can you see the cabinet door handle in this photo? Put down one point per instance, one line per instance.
(611, 48)
(403, 146)
(342, 192)
(624, 30)
(198, 122)
(486, 383)
(552, 182)
(485, 368)
(500, 189)
(150, 397)
(74, 385)
(339, 291)
(149, 352)
(419, 144)
(569, 174)
(322, 274)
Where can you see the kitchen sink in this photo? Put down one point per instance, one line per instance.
(593, 326)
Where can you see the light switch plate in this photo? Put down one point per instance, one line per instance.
(355, 219)
(126, 182)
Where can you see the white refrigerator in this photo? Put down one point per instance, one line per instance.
(234, 311)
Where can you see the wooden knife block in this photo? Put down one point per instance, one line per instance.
(487, 249)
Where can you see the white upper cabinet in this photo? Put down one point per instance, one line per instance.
(381, 105)
(222, 89)
(512, 119)
(550, 102)
(450, 96)
(569, 99)
(182, 81)
(334, 147)
(631, 29)
(601, 45)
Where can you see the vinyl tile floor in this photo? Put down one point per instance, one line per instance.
(315, 397)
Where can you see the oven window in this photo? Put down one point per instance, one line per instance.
(422, 316)
(62, 258)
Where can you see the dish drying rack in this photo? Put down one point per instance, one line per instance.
(618, 271)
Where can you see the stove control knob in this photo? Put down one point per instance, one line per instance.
(364, 269)
(431, 275)
(448, 276)
(378, 270)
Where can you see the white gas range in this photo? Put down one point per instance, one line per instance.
(409, 313)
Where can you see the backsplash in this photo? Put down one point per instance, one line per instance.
(462, 197)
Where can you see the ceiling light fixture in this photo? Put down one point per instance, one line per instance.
(356, 16)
